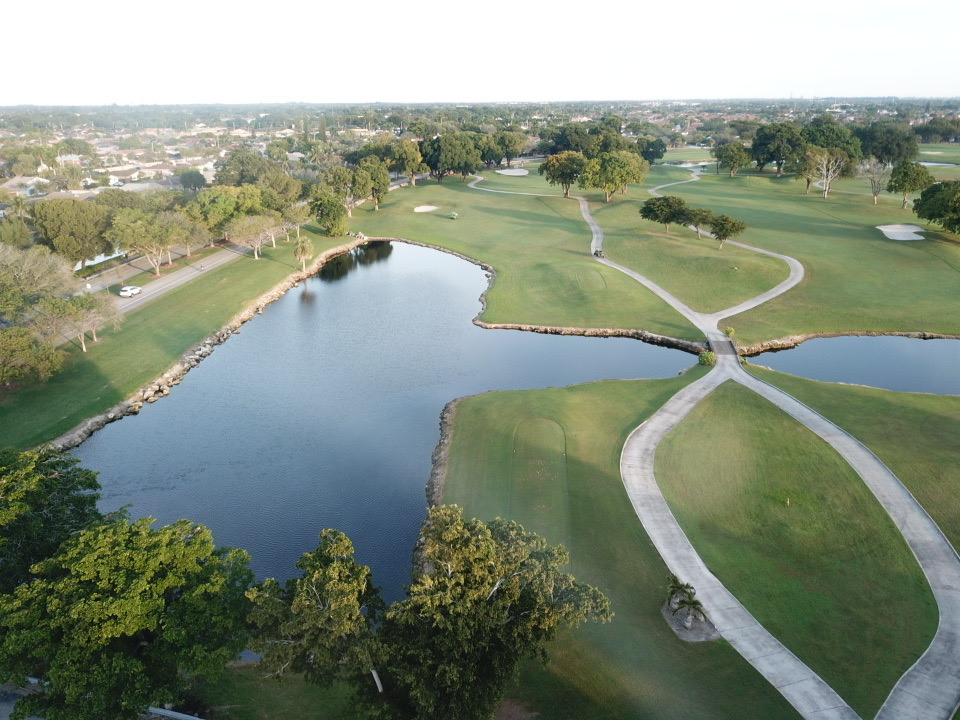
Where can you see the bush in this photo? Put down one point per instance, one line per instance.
(707, 358)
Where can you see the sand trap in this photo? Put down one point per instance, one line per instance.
(931, 152)
(425, 208)
(513, 171)
(901, 232)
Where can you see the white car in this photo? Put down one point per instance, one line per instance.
(130, 291)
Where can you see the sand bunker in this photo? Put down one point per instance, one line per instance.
(901, 232)
(513, 171)
(425, 208)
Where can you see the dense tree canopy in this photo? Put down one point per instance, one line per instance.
(46, 499)
(731, 156)
(666, 210)
(122, 617)
(613, 171)
(777, 143)
(484, 597)
(908, 178)
(74, 228)
(940, 204)
(563, 169)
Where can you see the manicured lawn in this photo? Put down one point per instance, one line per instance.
(856, 279)
(940, 152)
(540, 247)
(243, 694)
(829, 574)
(687, 154)
(147, 343)
(550, 460)
(915, 434)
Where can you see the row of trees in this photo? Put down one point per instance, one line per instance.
(113, 615)
(608, 171)
(669, 209)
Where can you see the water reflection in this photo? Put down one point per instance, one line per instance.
(339, 267)
(324, 412)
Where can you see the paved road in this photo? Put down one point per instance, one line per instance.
(930, 690)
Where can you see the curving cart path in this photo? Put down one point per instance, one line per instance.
(930, 689)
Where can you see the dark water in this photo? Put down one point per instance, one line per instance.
(324, 412)
(892, 363)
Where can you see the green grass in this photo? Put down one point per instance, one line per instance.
(540, 247)
(940, 152)
(916, 435)
(145, 345)
(829, 574)
(856, 279)
(242, 694)
(549, 459)
(687, 154)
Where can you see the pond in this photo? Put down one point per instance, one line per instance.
(889, 362)
(324, 412)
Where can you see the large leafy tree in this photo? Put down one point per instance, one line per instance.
(666, 210)
(940, 204)
(563, 169)
(124, 616)
(651, 148)
(379, 175)
(511, 144)
(887, 142)
(407, 160)
(487, 596)
(46, 499)
(613, 171)
(908, 178)
(725, 227)
(74, 228)
(731, 156)
(484, 596)
(777, 143)
(330, 211)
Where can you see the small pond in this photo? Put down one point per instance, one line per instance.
(324, 412)
(889, 362)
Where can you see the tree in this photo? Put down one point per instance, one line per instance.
(940, 204)
(888, 143)
(379, 175)
(613, 171)
(676, 588)
(451, 153)
(303, 250)
(828, 164)
(214, 207)
(139, 231)
(484, 597)
(725, 227)
(124, 616)
(651, 148)
(666, 210)
(322, 624)
(74, 228)
(330, 212)
(24, 356)
(908, 178)
(47, 499)
(14, 232)
(777, 143)
(511, 144)
(487, 596)
(877, 172)
(563, 169)
(251, 230)
(360, 188)
(699, 218)
(297, 216)
(408, 161)
(731, 156)
(192, 180)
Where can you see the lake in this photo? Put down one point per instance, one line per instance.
(324, 411)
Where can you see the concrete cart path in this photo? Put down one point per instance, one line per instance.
(930, 690)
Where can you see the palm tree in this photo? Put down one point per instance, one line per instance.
(693, 608)
(677, 587)
(303, 251)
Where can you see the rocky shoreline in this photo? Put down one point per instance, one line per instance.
(161, 386)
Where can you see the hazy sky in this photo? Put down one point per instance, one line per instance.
(66, 52)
